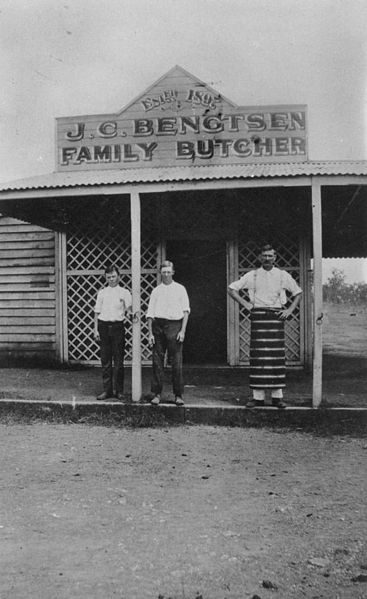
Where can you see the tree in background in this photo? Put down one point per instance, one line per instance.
(337, 291)
(334, 287)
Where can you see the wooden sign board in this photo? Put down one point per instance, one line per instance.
(181, 121)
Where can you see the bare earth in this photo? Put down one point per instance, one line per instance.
(93, 512)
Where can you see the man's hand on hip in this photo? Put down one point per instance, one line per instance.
(284, 314)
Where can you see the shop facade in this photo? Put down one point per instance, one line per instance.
(182, 173)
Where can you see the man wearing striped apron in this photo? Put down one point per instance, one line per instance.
(266, 289)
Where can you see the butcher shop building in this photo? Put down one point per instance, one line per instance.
(181, 173)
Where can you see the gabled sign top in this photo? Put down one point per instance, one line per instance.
(181, 120)
(157, 95)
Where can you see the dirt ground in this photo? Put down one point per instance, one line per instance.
(182, 513)
(345, 329)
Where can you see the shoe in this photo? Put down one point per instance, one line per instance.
(179, 401)
(278, 403)
(155, 401)
(104, 396)
(120, 396)
(255, 404)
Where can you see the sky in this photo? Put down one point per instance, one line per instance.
(79, 57)
(71, 57)
(354, 269)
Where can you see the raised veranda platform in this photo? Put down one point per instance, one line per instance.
(213, 395)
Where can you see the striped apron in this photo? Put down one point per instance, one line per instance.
(267, 350)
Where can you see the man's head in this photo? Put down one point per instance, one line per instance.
(267, 256)
(167, 272)
(112, 276)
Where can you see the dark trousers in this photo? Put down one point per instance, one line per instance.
(112, 348)
(165, 338)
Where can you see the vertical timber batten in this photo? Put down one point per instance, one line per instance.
(317, 312)
(233, 337)
(135, 211)
(61, 298)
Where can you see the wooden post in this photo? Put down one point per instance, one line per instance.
(61, 298)
(233, 337)
(136, 277)
(317, 283)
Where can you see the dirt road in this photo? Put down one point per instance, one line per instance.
(180, 513)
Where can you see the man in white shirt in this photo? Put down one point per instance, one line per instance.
(112, 304)
(168, 313)
(266, 289)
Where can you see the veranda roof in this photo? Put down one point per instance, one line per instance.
(87, 178)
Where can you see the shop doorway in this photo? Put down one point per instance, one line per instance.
(200, 265)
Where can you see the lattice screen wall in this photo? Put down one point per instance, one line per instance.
(99, 233)
(288, 258)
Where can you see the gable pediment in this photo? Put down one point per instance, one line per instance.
(176, 92)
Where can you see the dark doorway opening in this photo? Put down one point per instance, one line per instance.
(200, 265)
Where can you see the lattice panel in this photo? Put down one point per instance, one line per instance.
(288, 258)
(82, 292)
(84, 254)
(149, 281)
(100, 234)
(149, 255)
(287, 254)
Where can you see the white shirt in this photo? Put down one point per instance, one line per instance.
(168, 301)
(112, 303)
(267, 288)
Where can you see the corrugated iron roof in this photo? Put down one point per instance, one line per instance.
(185, 173)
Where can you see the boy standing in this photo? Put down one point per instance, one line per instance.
(112, 304)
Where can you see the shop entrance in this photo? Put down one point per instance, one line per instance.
(200, 265)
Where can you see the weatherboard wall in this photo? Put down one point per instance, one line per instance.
(27, 291)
